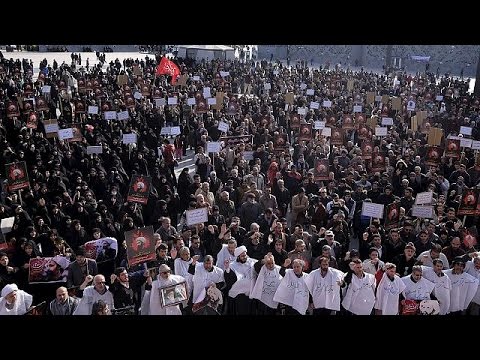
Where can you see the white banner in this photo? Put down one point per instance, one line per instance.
(475, 145)
(327, 131)
(206, 92)
(129, 138)
(166, 130)
(466, 130)
(94, 150)
(424, 198)
(64, 134)
(381, 131)
(53, 128)
(160, 102)
(6, 224)
(93, 110)
(372, 210)
(214, 146)
(301, 111)
(223, 126)
(466, 143)
(197, 216)
(110, 115)
(425, 212)
(122, 115)
(387, 121)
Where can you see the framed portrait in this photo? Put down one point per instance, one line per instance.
(173, 295)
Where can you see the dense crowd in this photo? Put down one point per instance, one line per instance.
(286, 232)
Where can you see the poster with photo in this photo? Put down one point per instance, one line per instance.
(433, 156)
(173, 295)
(337, 137)
(294, 121)
(367, 149)
(364, 133)
(76, 131)
(17, 176)
(392, 215)
(81, 84)
(32, 120)
(12, 109)
(305, 132)
(452, 148)
(101, 250)
(468, 204)
(280, 141)
(347, 122)
(139, 189)
(140, 245)
(48, 269)
(28, 89)
(41, 103)
(321, 169)
(201, 106)
(378, 162)
(28, 106)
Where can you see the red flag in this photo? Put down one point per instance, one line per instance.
(168, 67)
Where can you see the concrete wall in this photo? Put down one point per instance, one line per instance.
(448, 58)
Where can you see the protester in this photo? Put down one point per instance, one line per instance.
(63, 192)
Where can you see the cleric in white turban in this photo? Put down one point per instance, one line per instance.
(14, 301)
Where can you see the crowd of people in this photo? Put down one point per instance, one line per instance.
(286, 193)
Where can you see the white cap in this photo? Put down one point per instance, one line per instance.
(239, 250)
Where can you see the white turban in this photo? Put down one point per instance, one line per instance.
(239, 250)
(8, 289)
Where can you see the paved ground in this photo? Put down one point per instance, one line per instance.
(61, 57)
(186, 162)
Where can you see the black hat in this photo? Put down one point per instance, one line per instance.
(458, 260)
(354, 253)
